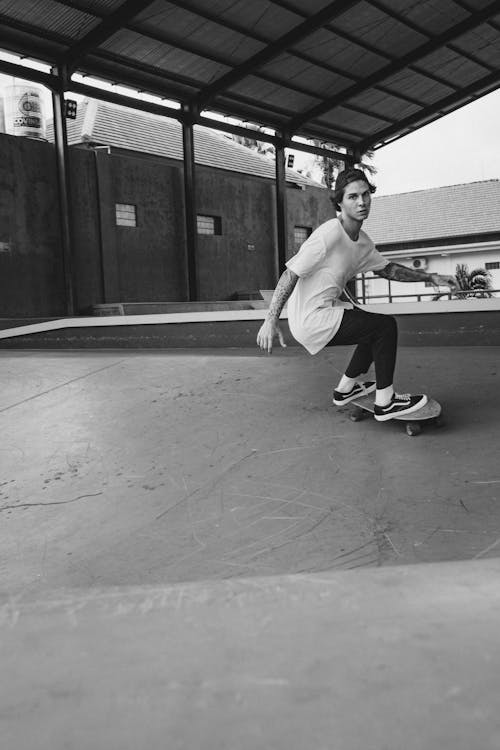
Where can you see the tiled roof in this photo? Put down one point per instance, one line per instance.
(453, 211)
(120, 127)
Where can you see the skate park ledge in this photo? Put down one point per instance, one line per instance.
(474, 322)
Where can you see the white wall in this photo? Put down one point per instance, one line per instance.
(444, 263)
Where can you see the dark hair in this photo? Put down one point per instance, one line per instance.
(343, 179)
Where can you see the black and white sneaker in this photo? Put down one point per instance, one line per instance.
(358, 391)
(401, 403)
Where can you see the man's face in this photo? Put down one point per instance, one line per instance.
(356, 201)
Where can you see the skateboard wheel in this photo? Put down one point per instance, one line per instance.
(357, 414)
(413, 429)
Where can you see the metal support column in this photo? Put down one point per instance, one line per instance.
(353, 157)
(281, 208)
(190, 203)
(61, 146)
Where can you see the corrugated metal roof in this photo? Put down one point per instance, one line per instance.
(354, 72)
(452, 211)
(124, 128)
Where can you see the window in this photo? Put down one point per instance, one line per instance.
(492, 266)
(300, 235)
(208, 225)
(126, 215)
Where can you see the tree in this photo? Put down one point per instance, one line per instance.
(266, 149)
(331, 166)
(475, 283)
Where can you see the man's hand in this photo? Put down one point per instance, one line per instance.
(268, 330)
(439, 279)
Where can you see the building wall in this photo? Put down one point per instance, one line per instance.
(145, 263)
(442, 264)
(241, 258)
(31, 264)
(307, 208)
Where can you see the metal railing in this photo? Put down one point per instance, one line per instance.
(366, 298)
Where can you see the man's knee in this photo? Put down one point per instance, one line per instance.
(389, 325)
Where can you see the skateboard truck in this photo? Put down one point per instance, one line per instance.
(431, 413)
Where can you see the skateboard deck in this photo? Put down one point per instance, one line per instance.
(431, 413)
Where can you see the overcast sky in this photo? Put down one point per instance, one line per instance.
(461, 147)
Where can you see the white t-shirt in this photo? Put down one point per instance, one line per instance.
(324, 264)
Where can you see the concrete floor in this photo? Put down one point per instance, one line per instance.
(125, 470)
(394, 658)
(144, 468)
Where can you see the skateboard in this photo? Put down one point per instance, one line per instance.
(431, 413)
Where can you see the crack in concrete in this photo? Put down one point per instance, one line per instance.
(56, 502)
(61, 385)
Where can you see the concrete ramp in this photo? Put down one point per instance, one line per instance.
(399, 658)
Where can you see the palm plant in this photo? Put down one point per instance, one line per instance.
(475, 283)
(331, 166)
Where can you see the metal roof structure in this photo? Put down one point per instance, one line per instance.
(356, 73)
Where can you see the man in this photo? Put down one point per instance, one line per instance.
(313, 283)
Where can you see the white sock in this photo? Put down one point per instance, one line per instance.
(346, 384)
(384, 395)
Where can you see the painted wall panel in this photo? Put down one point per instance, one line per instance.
(31, 271)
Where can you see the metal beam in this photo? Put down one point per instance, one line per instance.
(106, 65)
(211, 56)
(203, 13)
(321, 64)
(61, 149)
(126, 101)
(190, 205)
(362, 43)
(404, 20)
(281, 207)
(31, 74)
(485, 85)
(303, 30)
(227, 127)
(132, 71)
(395, 67)
(318, 150)
(23, 39)
(107, 27)
(132, 76)
(208, 122)
(267, 138)
(50, 80)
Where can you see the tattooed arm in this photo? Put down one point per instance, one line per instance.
(397, 272)
(270, 328)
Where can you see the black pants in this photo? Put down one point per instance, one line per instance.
(376, 337)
